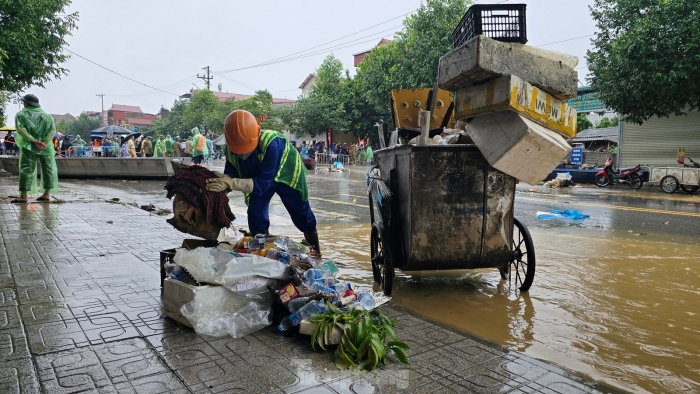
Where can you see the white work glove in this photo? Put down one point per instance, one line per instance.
(224, 183)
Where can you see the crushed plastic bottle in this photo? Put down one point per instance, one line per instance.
(313, 275)
(341, 288)
(330, 268)
(366, 300)
(320, 288)
(284, 325)
(297, 303)
(312, 308)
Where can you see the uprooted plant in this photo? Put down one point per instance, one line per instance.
(366, 341)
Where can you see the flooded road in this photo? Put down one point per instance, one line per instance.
(616, 298)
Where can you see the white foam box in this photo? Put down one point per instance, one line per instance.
(515, 94)
(176, 294)
(517, 146)
(330, 338)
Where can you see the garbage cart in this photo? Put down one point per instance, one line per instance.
(443, 207)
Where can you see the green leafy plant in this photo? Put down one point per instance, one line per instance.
(367, 339)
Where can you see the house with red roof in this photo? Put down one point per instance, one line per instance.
(359, 57)
(129, 116)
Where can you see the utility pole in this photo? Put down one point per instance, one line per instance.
(206, 78)
(102, 113)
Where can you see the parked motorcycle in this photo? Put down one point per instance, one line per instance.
(629, 176)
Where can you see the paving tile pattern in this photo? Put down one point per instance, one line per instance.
(80, 311)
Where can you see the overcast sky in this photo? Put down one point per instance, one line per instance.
(165, 43)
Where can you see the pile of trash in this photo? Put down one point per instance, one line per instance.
(241, 286)
(562, 180)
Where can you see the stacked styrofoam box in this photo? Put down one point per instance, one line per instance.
(514, 97)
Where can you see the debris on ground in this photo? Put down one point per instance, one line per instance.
(149, 207)
(239, 286)
(570, 215)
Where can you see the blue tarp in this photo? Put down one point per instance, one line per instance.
(567, 214)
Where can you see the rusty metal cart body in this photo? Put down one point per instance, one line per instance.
(443, 207)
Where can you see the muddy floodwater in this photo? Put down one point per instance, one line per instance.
(619, 306)
(621, 310)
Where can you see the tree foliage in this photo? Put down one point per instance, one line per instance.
(205, 109)
(411, 61)
(645, 57)
(582, 123)
(607, 122)
(82, 126)
(32, 39)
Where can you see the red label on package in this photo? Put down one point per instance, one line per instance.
(288, 292)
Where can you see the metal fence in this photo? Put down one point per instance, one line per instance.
(330, 158)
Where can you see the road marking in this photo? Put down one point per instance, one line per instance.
(336, 179)
(334, 201)
(623, 208)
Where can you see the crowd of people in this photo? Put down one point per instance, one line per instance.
(357, 153)
(144, 146)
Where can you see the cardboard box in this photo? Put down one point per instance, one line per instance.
(176, 294)
(515, 94)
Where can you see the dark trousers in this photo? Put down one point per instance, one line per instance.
(300, 211)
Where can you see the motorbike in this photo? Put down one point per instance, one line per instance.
(629, 176)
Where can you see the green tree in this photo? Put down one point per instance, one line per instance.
(82, 126)
(411, 61)
(607, 122)
(582, 123)
(646, 56)
(32, 41)
(172, 125)
(324, 107)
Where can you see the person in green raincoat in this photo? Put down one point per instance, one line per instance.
(363, 156)
(35, 131)
(168, 146)
(159, 150)
(370, 155)
(199, 146)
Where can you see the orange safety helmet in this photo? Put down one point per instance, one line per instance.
(242, 132)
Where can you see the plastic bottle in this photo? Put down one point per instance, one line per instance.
(312, 308)
(284, 325)
(366, 300)
(320, 288)
(341, 288)
(312, 275)
(297, 303)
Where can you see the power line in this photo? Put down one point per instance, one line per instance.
(121, 75)
(325, 50)
(570, 39)
(206, 78)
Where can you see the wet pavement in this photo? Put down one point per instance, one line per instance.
(80, 310)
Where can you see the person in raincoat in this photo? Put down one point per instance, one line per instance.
(130, 147)
(262, 163)
(79, 145)
(210, 147)
(199, 146)
(176, 146)
(160, 147)
(35, 129)
(188, 145)
(168, 146)
(147, 147)
(370, 155)
(362, 156)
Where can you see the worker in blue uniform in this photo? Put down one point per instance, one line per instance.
(261, 163)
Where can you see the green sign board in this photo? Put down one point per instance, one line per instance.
(588, 102)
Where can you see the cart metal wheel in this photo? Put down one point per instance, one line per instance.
(601, 181)
(669, 184)
(635, 182)
(382, 266)
(690, 189)
(522, 266)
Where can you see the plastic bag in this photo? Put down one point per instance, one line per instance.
(569, 215)
(217, 312)
(220, 267)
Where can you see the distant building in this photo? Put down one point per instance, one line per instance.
(66, 117)
(276, 102)
(359, 57)
(308, 83)
(163, 113)
(129, 116)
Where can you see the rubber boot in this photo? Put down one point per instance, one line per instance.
(312, 240)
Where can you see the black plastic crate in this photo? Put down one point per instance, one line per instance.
(501, 22)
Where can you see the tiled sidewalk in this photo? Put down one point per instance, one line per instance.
(80, 311)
